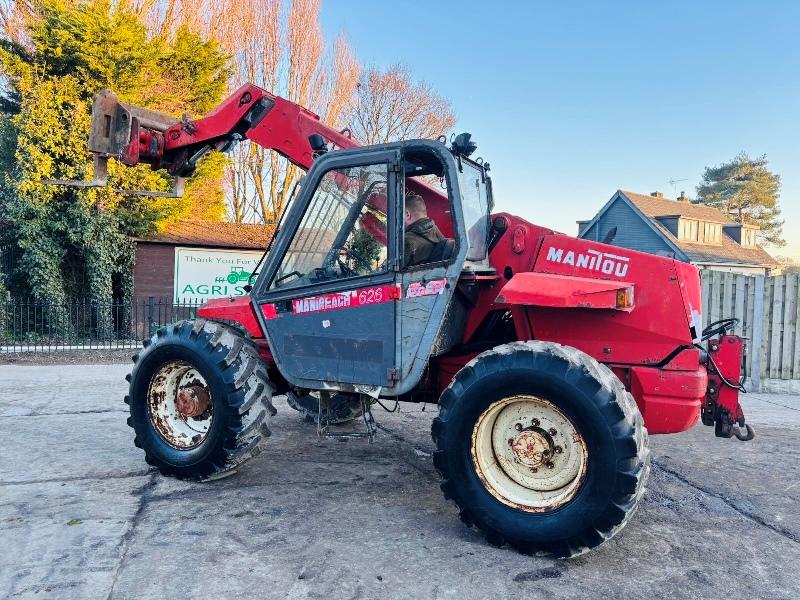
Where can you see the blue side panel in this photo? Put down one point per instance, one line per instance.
(671, 223)
(348, 345)
(632, 231)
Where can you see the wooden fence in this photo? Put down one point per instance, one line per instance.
(768, 309)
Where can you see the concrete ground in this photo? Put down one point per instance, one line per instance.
(82, 516)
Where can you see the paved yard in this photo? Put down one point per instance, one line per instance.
(81, 515)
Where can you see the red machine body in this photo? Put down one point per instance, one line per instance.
(637, 313)
(721, 407)
(630, 310)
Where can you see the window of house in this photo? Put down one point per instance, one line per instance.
(688, 230)
(748, 237)
(712, 233)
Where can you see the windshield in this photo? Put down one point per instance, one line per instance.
(343, 231)
(475, 205)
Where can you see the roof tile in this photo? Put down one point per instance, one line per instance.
(666, 207)
(729, 252)
(214, 234)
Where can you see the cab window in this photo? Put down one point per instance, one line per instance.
(343, 231)
(475, 204)
(427, 218)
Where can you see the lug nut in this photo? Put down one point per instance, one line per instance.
(535, 422)
(552, 431)
(550, 465)
(518, 426)
(534, 470)
(558, 449)
(510, 441)
(546, 452)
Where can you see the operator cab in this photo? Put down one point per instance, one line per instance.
(340, 306)
(425, 175)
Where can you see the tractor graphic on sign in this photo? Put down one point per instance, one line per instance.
(238, 275)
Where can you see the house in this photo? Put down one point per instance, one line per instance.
(192, 261)
(692, 233)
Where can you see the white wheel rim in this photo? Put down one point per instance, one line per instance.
(178, 430)
(528, 454)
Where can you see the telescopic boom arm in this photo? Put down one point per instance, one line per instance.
(134, 135)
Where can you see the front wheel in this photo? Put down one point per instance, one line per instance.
(199, 400)
(541, 447)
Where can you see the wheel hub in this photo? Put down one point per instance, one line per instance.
(179, 405)
(531, 448)
(192, 401)
(528, 453)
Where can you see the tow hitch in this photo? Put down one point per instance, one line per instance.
(723, 360)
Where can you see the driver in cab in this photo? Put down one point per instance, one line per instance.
(421, 235)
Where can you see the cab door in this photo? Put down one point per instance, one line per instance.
(431, 318)
(338, 310)
(327, 296)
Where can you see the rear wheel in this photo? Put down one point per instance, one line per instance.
(541, 447)
(199, 400)
(528, 453)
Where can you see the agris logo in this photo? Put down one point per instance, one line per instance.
(593, 260)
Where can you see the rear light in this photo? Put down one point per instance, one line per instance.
(625, 297)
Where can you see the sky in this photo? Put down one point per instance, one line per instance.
(570, 101)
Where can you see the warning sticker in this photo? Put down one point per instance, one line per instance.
(348, 299)
(431, 288)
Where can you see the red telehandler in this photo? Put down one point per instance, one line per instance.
(550, 357)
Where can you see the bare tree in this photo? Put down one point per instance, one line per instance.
(391, 106)
(285, 52)
(257, 51)
(13, 16)
(163, 17)
(282, 48)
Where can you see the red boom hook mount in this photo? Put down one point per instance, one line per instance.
(117, 131)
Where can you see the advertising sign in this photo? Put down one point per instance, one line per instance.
(201, 274)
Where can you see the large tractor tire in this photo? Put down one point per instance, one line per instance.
(199, 400)
(542, 448)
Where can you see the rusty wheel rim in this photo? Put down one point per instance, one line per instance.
(179, 405)
(528, 453)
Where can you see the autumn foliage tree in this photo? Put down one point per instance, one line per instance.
(54, 55)
(171, 55)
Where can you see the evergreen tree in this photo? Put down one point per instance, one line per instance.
(747, 191)
(74, 242)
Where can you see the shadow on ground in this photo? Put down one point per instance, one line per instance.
(82, 515)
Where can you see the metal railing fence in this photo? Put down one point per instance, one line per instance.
(29, 325)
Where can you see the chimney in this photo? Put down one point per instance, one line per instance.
(657, 194)
(683, 198)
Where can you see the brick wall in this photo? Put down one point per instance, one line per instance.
(154, 271)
